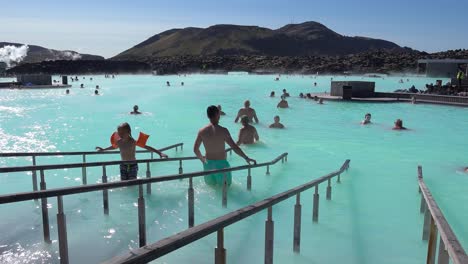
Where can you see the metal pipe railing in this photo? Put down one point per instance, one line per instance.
(434, 221)
(153, 251)
(43, 194)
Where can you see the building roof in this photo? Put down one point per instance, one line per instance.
(442, 61)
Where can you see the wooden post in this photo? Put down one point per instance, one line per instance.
(297, 225)
(329, 189)
(62, 232)
(423, 205)
(269, 237)
(282, 160)
(431, 246)
(181, 170)
(34, 175)
(427, 223)
(84, 179)
(191, 207)
(315, 212)
(45, 211)
(338, 179)
(141, 217)
(148, 175)
(249, 181)
(268, 170)
(224, 190)
(105, 193)
(220, 251)
(443, 255)
(152, 157)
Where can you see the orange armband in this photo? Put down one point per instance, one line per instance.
(142, 139)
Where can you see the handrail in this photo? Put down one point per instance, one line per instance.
(434, 220)
(24, 196)
(153, 251)
(73, 153)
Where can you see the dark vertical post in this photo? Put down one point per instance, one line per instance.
(315, 212)
(338, 179)
(181, 170)
(249, 180)
(62, 232)
(105, 193)
(148, 175)
(268, 170)
(141, 217)
(191, 200)
(84, 179)
(297, 225)
(269, 237)
(34, 175)
(443, 254)
(427, 224)
(220, 251)
(329, 189)
(422, 208)
(45, 211)
(224, 190)
(431, 246)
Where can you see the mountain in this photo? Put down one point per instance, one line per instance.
(305, 39)
(16, 53)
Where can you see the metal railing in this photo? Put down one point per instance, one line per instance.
(43, 194)
(151, 252)
(84, 179)
(435, 222)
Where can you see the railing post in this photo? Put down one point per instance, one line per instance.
(423, 205)
(338, 179)
(315, 212)
(34, 175)
(427, 223)
(268, 170)
(224, 190)
(148, 175)
(249, 181)
(141, 217)
(105, 193)
(181, 170)
(443, 254)
(297, 225)
(152, 157)
(220, 251)
(45, 211)
(286, 158)
(431, 246)
(62, 232)
(83, 171)
(329, 189)
(181, 147)
(191, 200)
(269, 237)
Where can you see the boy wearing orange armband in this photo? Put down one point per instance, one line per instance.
(127, 145)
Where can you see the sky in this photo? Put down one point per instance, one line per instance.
(108, 27)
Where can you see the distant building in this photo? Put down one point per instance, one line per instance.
(349, 89)
(34, 79)
(442, 68)
(3, 67)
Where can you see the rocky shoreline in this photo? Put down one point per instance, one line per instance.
(384, 62)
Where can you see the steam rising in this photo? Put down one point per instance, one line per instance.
(71, 55)
(13, 55)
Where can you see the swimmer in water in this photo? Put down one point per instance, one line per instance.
(248, 133)
(250, 112)
(97, 87)
(285, 94)
(320, 101)
(127, 147)
(301, 95)
(182, 83)
(277, 123)
(272, 94)
(67, 91)
(168, 83)
(81, 85)
(221, 111)
(96, 92)
(315, 84)
(367, 119)
(315, 98)
(135, 110)
(399, 125)
(283, 103)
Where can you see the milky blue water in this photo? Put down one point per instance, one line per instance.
(373, 216)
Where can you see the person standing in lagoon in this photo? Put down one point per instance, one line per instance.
(272, 94)
(367, 119)
(320, 101)
(214, 137)
(96, 92)
(277, 123)
(127, 146)
(250, 112)
(248, 133)
(399, 125)
(135, 110)
(283, 103)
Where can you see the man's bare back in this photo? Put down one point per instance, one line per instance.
(250, 112)
(247, 135)
(213, 138)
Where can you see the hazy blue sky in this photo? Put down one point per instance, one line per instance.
(108, 27)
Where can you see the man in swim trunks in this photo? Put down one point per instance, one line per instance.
(250, 112)
(214, 137)
(277, 123)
